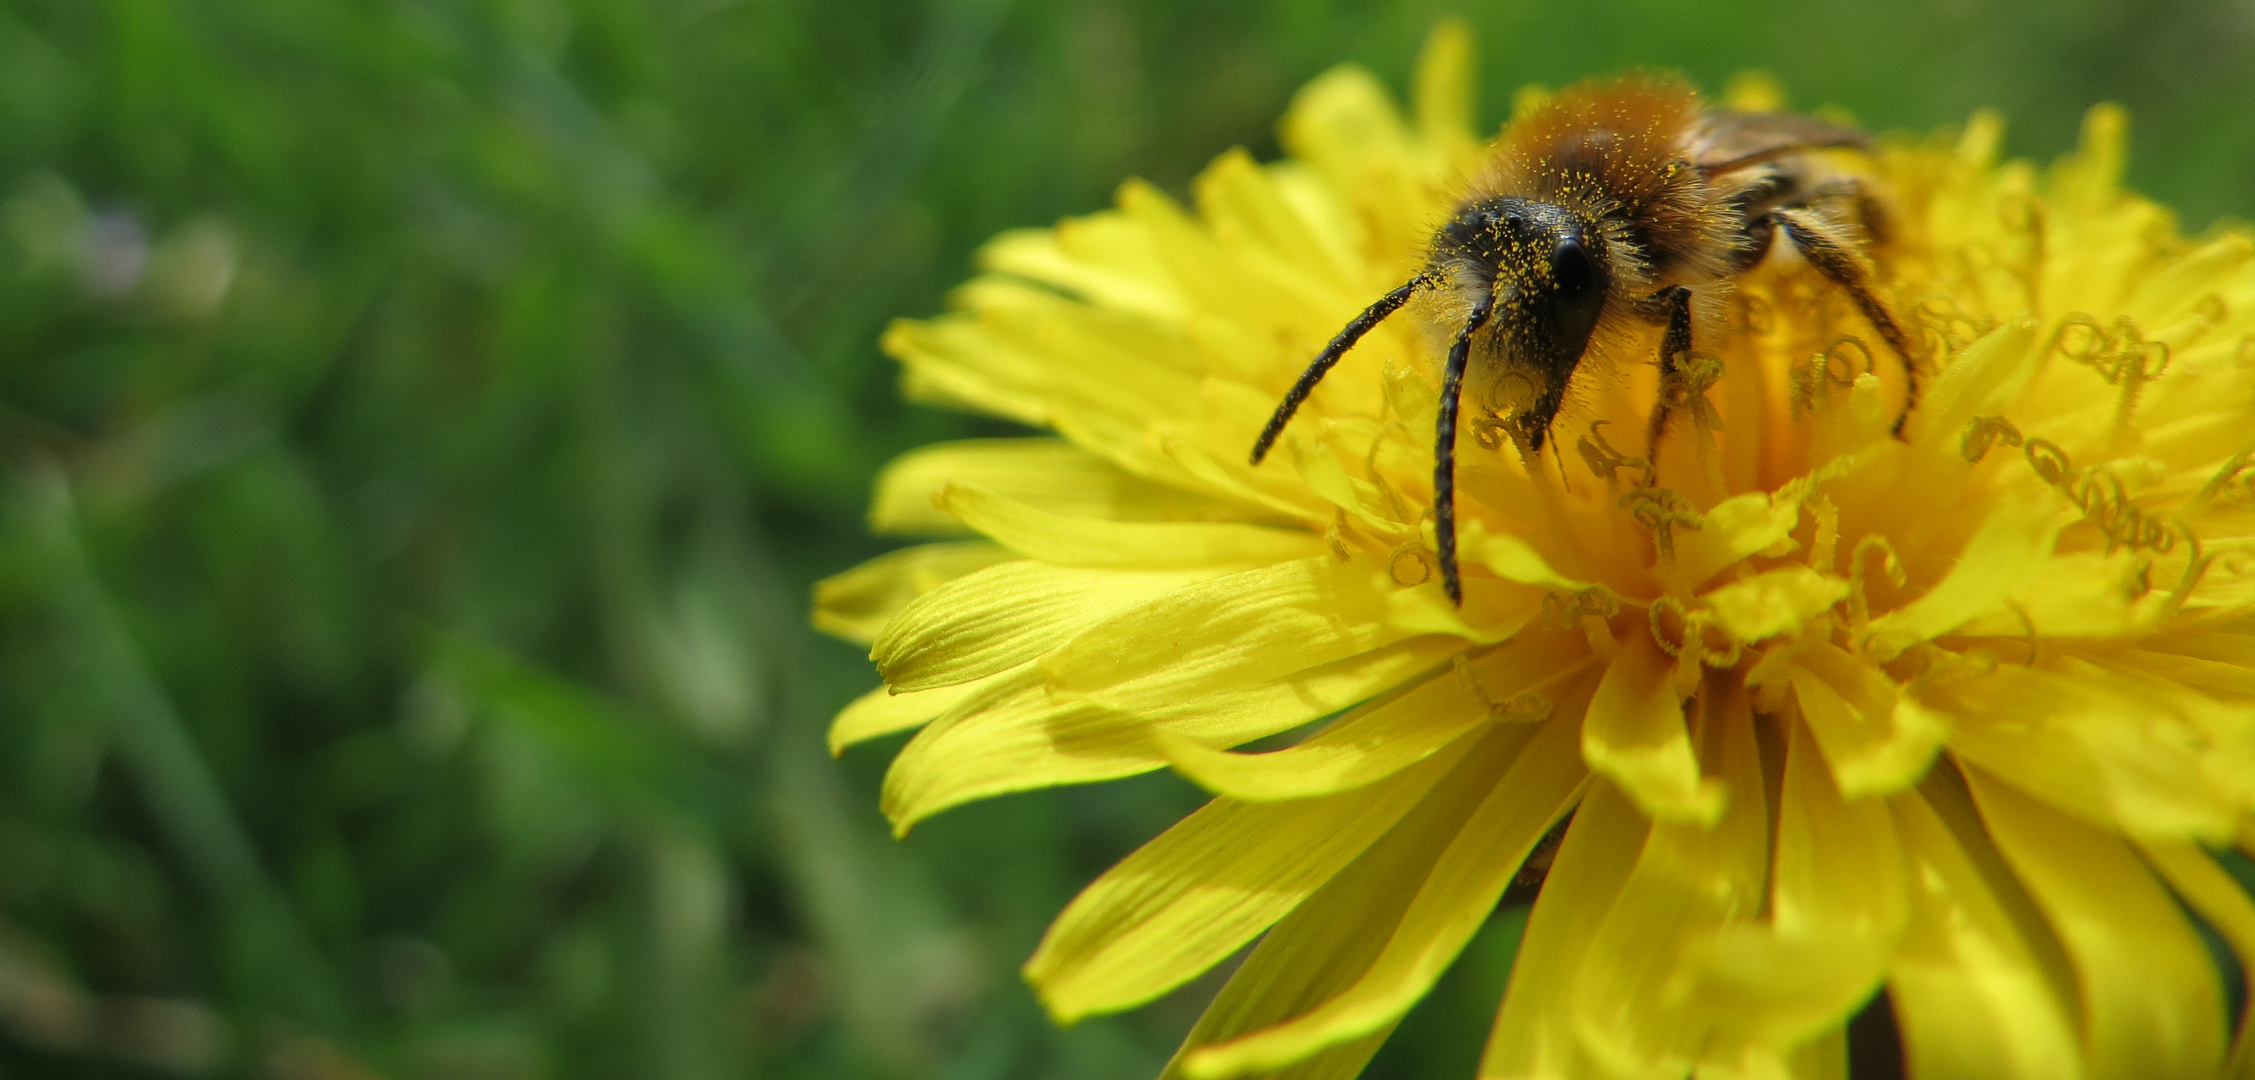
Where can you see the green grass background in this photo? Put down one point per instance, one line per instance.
(421, 422)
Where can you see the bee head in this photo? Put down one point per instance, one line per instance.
(1546, 267)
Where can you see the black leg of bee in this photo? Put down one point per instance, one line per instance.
(1371, 316)
(1674, 345)
(1444, 448)
(1761, 234)
(1841, 267)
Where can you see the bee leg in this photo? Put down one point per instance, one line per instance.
(1370, 317)
(1674, 344)
(1846, 271)
(1844, 199)
(1754, 246)
(1444, 448)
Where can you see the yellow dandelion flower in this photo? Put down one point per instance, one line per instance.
(1961, 714)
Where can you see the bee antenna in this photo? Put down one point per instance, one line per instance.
(1444, 448)
(1370, 317)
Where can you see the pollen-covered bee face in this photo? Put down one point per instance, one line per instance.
(1545, 269)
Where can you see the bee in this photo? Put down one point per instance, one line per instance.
(1603, 213)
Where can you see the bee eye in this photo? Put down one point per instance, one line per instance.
(1572, 270)
(1578, 295)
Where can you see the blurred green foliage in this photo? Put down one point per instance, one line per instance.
(422, 421)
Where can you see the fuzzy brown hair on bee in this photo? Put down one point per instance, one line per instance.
(1613, 205)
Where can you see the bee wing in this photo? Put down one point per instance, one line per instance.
(1727, 141)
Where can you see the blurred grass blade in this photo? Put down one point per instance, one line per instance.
(267, 940)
